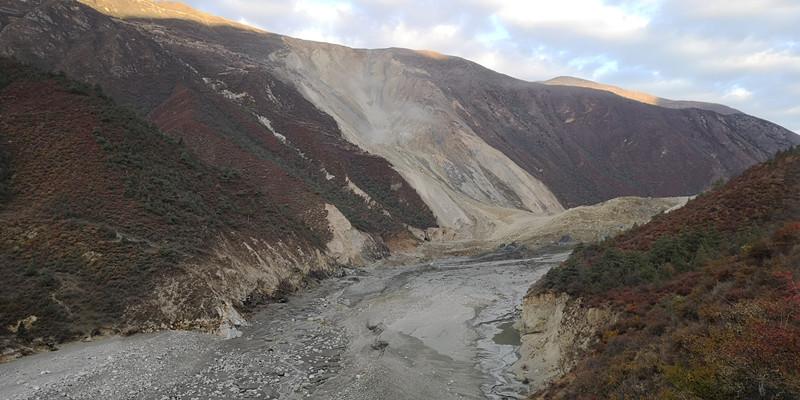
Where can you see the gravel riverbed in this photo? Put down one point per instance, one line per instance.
(438, 330)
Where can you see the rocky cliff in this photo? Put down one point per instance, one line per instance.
(556, 332)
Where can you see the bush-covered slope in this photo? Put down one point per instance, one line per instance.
(708, 297)
(97, 207)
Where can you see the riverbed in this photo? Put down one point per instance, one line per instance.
(439, 330)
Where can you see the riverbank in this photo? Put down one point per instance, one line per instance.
(395, 332)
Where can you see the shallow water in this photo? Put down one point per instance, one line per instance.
(508, 336)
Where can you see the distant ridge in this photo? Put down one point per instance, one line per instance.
(640, 96)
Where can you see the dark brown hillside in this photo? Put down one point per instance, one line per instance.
(591, 145)
(100, 206)
(707, 297)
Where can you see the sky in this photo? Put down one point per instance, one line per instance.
(742, 53)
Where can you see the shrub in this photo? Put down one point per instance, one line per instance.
(597, 268)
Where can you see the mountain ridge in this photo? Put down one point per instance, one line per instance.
(539, 160)
(640, 96)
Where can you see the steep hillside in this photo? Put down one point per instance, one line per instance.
(473, 145)
(699, 303)
(108, 224)
(584, 145)
(590, 145)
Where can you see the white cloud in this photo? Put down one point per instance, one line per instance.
(586, 17)
(738, 8)
(323, 11)
(738, 93)
(793, 111)
(244, 21)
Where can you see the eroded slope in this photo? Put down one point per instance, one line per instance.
(476, 147)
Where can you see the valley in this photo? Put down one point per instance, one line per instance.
(393, 332)
(196, 208)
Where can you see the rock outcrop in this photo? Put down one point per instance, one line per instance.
(555, 330)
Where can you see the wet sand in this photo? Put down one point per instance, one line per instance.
(440, 330)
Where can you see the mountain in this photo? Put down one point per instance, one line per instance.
(161, 167)
(274, 138)
(698, 303)
(478, 148)
(585, 145)
(639, 96)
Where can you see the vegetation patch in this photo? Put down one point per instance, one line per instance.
(101, 207)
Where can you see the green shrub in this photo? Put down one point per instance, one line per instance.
(597, 268)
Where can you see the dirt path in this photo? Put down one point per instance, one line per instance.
(436, 331)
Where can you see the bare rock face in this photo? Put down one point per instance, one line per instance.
(555, 331)
(588, 145)
(452, 128)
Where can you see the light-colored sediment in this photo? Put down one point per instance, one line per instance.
(555, 329)
(581, 224)
(408, 332)
(390, 109)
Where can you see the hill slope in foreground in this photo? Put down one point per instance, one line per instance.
(108, 223)
(702, 302)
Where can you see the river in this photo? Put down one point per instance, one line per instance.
(439, 330)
